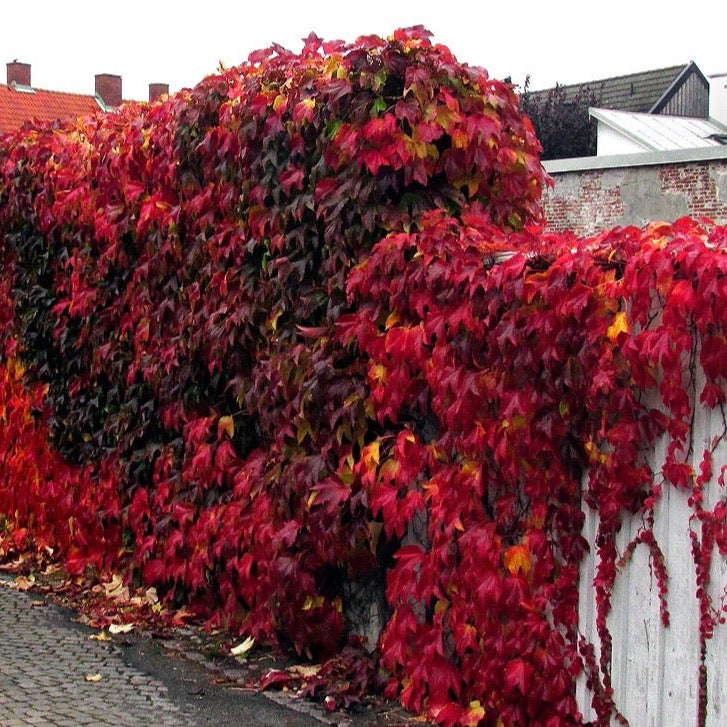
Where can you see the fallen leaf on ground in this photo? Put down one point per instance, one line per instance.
(181, 617)
(306, 671)
(93, 677)
(274, 677)
(241, 649)
(16, 564)
(116, 589)
(102, 636)
(24, 583)
(121, 628)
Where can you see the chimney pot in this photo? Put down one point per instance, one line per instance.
(108, 87)
(156, 90)
(18, 73)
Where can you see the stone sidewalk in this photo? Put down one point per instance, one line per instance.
(53, 674)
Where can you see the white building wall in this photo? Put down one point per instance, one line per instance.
(610, 142)
(655, 669)
(718, 97)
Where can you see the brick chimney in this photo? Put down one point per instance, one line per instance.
(19, 73)
(156, 90)
(108, 88)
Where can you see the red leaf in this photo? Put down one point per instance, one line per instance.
(518, 676)
(275, 678)
(19, 537)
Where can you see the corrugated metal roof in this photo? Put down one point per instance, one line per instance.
(20, 104)
(656, 132)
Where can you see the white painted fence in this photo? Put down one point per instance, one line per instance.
(655, 670)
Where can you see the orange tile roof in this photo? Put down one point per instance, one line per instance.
(16, 106)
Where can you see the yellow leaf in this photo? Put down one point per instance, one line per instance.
(471, 468)
(517, 559)
(345, 472)
(391, 320)
(420, 149)
(371, 455)
(16, 369)
(389, 469)
(446, 117)
(619, 325)
(304, 430)
(280, 104)
(24, 583)
(311, 602)
(273, 321)
(102, 636)
(460, 139)
(306, 671)
(375, 533)
(474, 715)
(518, 422)
(378, 373)
(226, 425)
(471, 181)
(93, 677)
(351, 399)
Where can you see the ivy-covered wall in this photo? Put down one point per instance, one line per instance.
(258, 335)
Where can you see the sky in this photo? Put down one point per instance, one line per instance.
(180, 43)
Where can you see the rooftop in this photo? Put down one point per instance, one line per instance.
(656, 132)
(640, 92)
(19, 104)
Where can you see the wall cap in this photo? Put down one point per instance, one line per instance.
(638, 159)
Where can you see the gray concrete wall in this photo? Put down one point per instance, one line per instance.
(596, 193)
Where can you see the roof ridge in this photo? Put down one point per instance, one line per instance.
(625, 76)
(9, 86)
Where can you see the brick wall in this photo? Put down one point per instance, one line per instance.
(597, 193)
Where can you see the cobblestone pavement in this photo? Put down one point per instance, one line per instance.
(53, 674)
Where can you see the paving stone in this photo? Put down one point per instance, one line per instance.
(45, 659)
(43, 670)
